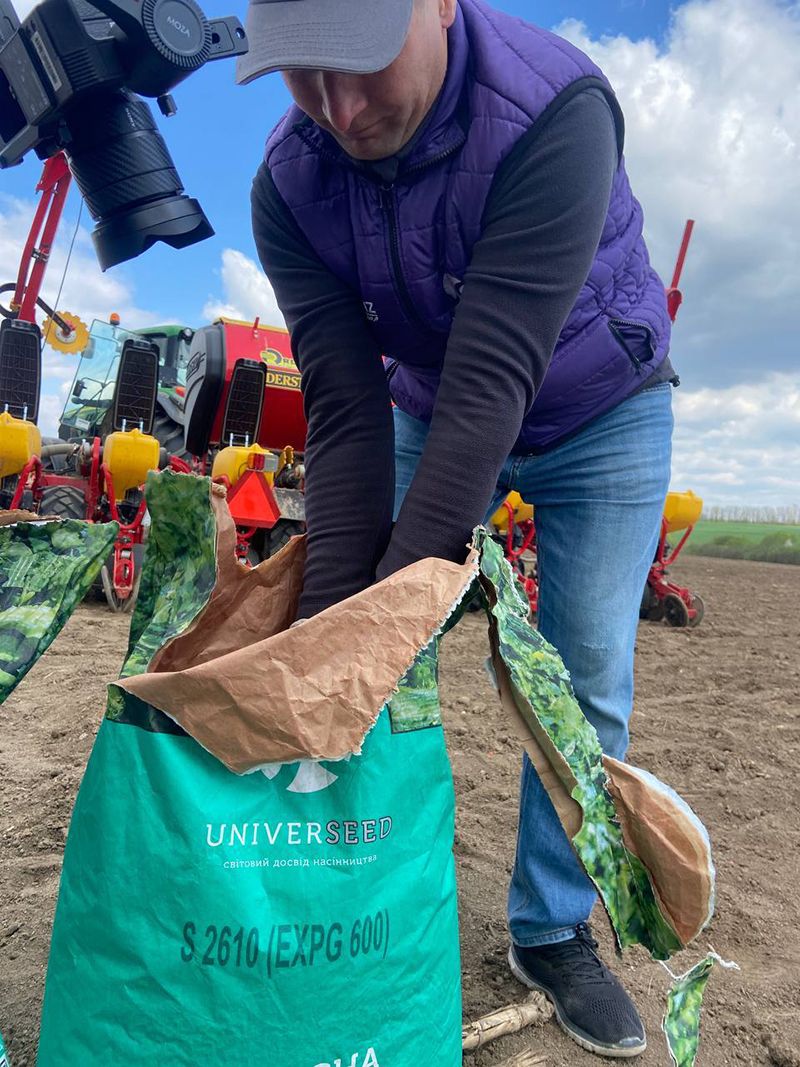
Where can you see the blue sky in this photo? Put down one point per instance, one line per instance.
(709, 89)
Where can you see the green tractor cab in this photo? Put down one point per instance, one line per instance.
(90, 407)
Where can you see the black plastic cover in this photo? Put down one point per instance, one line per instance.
(205, 381)
(20, 368)
(136, 390)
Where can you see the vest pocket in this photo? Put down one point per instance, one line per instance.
(635, 338)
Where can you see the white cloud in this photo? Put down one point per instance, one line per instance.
(713, 133)
(87, 292)
(740, 445)
(247, 292)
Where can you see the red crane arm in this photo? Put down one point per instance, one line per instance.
(53, 185)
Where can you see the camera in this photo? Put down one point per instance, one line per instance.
(72, 78)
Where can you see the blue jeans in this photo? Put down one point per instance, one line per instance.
(599, 499)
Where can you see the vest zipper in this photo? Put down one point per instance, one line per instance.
(435, 159)
(390, 210)
(614, 325)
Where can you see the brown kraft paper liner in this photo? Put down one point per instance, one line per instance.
(11, 518)
(253, 692)
(657, 830)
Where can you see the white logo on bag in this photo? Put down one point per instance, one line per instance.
(370, 1060)
(371, 313)
(311, 777)
(334, 832)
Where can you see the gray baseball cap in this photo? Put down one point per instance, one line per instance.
(354, 36)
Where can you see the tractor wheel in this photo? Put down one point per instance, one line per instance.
(280, 535)
(66, 501)
(170, 436)
(700, 609)
(675, 611)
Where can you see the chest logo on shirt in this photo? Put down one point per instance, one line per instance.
(370, 312)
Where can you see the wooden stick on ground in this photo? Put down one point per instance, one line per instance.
(529, 1058)
(509, 1020)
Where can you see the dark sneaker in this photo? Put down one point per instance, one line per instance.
(590, 1002)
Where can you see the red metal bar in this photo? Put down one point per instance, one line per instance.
(107, 486)
(123, 576)
(94, 487)
(32, 467)
(53, 185)
(687, 236)
(674, 295)
(528, 533)
(673, 555)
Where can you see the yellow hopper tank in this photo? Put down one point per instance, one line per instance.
(522, 512)
(20, 440)
(232, 462)
(129, 455)
(682, 510)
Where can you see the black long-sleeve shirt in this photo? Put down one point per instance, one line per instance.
(542, 225)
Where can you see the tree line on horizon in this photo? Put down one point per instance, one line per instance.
(785, 514)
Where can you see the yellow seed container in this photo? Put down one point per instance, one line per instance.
(682, 510)
(233, 461)
(19, 442)
(129, 455)
(522, 512)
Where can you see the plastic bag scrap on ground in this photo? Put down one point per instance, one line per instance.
(46, 568)
(160, 824)
(4, 1060)
(684, 1003)
(306, 913)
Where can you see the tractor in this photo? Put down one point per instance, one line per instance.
(222, 400)
(142, 400)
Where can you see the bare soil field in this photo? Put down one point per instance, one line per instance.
(717, 717)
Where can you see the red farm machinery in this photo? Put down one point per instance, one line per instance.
(222, 400)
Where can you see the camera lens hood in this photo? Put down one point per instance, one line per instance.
(178, 221)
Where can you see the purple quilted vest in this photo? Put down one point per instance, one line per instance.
(404, 248)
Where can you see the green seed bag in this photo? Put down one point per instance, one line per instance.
(4, 1060)
(303, 914)
(259, 866)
